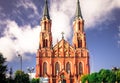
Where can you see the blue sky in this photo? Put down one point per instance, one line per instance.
(20, 28)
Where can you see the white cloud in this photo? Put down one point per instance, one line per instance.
(98, 11)
(28, 4)
(61, 15)
(23, 39)
(94, 12)
(26, 39)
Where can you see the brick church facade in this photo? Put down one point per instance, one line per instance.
(63, 62)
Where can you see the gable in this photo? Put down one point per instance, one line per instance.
(63, 48)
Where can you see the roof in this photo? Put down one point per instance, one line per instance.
(46, 11)
(78, 13)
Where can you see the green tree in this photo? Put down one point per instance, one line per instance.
(94, 78)
(107, 76)
(35, 80)
(3, 69)
(21, 77)
(117, 73)
(104, 75)
(84, 78)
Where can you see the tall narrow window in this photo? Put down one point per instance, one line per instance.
(68, 68)
(45, 43)
(80, 68)
(45, 26)
(79, 43)
(44, 68)
(57, 68)
(78, 25)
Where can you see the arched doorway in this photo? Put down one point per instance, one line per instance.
(63, 77)
(62, 81)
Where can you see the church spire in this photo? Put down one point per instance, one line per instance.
(46, 11)
(78, 10)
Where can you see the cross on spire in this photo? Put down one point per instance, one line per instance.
(62, 35)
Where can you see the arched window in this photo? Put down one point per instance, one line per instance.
(68, 68)
(79, 43)
(57, 68)
(44, 68)
(80, 68)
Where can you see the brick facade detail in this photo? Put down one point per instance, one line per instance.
(63, 61)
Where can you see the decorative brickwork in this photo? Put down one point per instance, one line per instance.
(62, 62)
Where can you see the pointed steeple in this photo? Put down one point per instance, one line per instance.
(46, 11)
(78, 10)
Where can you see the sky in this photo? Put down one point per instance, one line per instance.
(20, 29)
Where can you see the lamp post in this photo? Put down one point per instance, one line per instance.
(20, 61)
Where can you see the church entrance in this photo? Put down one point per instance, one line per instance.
(63, 77)
(62, 81)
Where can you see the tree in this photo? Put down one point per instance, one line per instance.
(3, 69)
(21, 77)
(117, 73)
(35, 80)
(104, 75)
(107, 76)
(94, 78)
(84, 78)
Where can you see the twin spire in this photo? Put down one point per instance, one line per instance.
(46, 11)
(78, 13)
(78, 10)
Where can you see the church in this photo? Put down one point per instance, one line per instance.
(63, 62)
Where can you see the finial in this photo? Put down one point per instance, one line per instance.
(62, 35)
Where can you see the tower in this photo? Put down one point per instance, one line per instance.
(79, 40)
(45, 34)
(62, 62)
(45, 44)
(79, 43)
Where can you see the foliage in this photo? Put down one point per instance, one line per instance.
(84, 78)
(10, 80)
(21, 77)
(3, 69)
(117, 73)
(35, 80)
(94, 78)
(103, 76)
(107, 76)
